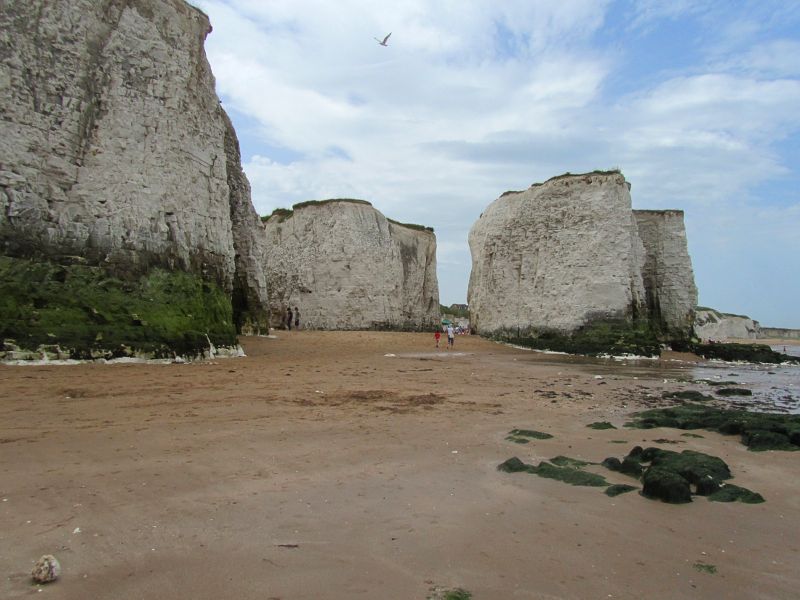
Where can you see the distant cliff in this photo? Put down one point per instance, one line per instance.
(120, 182)
(569, 259)
(346, 266)
(712, 324)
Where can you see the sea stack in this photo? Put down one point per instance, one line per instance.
(567, 264)
(346, 266)
(126, 225)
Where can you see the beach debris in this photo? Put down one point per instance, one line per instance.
(46, 569)
(523, 436)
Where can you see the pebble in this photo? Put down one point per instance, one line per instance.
(46, 569)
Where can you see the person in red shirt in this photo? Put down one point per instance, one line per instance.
(437, 336)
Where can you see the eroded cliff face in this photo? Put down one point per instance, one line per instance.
(346, 266)
(568, 255)
(114, 148)
(555, 256)
(667, 274)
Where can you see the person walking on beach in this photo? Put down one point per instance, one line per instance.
(451, 336)
(297, 318)
(289, 318)
(437, 336)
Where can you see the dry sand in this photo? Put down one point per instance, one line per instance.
(320, 468)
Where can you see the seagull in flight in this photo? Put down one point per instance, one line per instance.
(383, 42)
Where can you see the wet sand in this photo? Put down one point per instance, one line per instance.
(318, 467)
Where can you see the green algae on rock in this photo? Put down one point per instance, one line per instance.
(610, 336)
(601, 425)
(758, 431)
(757, 353)
(567, 470)
(523, 436)
(674, 477)
(733, 493)
(692, 395)
(89, 313)
(449, 594)
(619, 488)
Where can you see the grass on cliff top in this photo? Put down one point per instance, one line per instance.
(87, 312)
(411, 225)
(567, 175)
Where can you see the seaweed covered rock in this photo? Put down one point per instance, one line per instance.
(753, 427)
(512, 465)
(600, 425)
(673, 477)
(734, 391)
(618, 488)
(692, 466)
(560, 468)
(663, 484)
(692, 395)
(756, 353)
(523, 436)
(733, 493)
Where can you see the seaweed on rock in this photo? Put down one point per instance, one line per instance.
(758, 431)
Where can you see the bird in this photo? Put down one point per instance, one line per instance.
(383, 42)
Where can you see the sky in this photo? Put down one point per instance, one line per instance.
(696, 101)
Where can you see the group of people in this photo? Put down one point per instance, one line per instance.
(292, 317)
(451, 336)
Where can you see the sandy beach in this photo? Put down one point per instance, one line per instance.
(333, 465)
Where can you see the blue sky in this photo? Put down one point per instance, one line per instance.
(698, 102)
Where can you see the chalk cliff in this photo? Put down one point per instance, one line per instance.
(668, 278)
(569, 254)
(346, 266)
(116, 154)
(711, 324)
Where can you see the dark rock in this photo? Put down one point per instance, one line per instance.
(664, 485)
(631, 467)
(688, 395)
(612, 463)
(733, 493)
(513, 465)
(619, 488)
(766, 440)
(730, 391)
(707, 486)
(601, 425)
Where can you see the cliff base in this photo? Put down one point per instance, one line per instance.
(71, 310)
